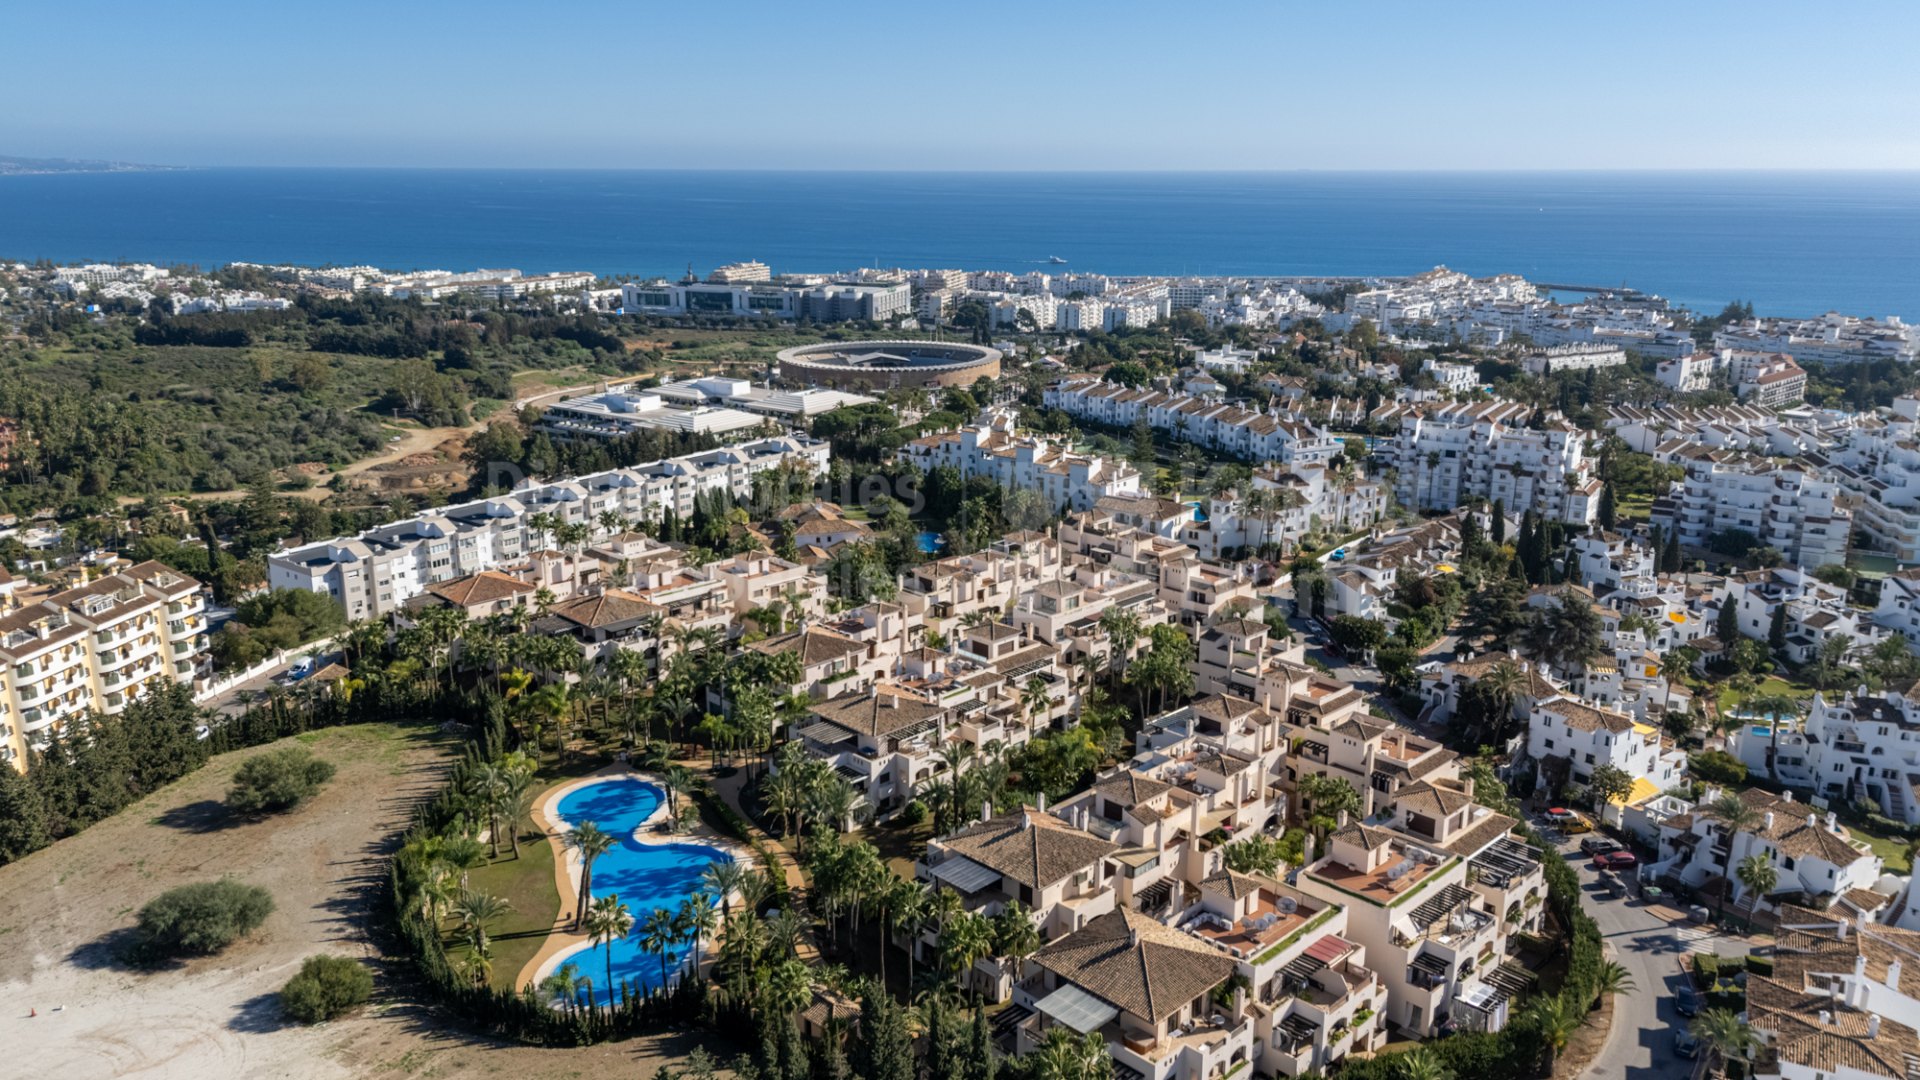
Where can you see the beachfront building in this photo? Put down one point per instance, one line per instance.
(376, 572)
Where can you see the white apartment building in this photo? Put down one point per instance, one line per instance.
(1789, 505)
(1576, 357)
(992, 447)
(1831, 339)
(1484, 450)
(95, 648)
(1587, 738)
(379, 570)
(1245, 433)
(1227, 358)
(833, 302)
(1861, 745)
(1453, 378)
(1811, 852)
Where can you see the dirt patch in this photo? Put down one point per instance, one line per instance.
(66, 911)
(1587, 1042)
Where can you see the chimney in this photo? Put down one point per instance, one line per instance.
(986, 810)
(1040, 801)
(1833, 823)
(1813, 820)
(1826, 1018)
(1340, 822)
(1769, 821)
(1873, 1025)
(1893, 974)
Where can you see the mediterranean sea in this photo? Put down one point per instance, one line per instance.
(1790, 243)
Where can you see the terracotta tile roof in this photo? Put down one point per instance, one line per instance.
(1030, 847)
(877, 712)
(1586, 717)
(1231, 884)
(485, 587)
(1129, 788)
(1136, 964)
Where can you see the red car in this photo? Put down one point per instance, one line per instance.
(1616, 860)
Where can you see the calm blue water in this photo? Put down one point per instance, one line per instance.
(929, 542)
(1792, 243)
(644, 876)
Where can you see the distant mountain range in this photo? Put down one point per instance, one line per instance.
(26, 166)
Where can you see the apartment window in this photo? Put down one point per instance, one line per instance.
(1549, 744)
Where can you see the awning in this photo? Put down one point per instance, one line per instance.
(1077, 1009)
(964, 874)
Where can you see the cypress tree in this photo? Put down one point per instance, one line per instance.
(938, 1038)
(1727, 626)
(1609, 514)
(980, 1063)
(1673, 552)
(882, 1047)
(1777, 630)
(1499, 521)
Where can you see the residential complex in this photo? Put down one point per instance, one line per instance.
(95, 648)
(378, 571)
(1486, 451)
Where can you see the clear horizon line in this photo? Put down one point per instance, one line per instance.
(1227, 171)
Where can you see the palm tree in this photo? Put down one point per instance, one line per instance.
(1555, 1017)
(1757, 875)
(591, 843)
(912, 910)
(563, 985)
(1736, 817)
(475, 910)
(698, 920)
(1725, 1034)
(1034, 698)
(1068, 1055)
(657, 936)
(433, 890)
(1421, 1063)
(608, 922)
(1673, 668)
(787, 987)
(966, 938)
(1613, 978)
(724, 879)
(487, 785)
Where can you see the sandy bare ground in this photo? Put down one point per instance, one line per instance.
(65, 913)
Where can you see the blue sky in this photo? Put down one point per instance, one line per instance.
(1443, 84)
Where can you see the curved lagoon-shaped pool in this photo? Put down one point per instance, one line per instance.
(644, 875)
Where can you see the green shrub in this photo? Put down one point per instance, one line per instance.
(327, 986)
(1760, 965)
(202, 918)
(1718, 767)
(1706, 969)
(277, 780)
(914, 814)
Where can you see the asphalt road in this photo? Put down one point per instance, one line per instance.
(1652, 943)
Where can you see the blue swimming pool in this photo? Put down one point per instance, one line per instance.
(644, 876)
(930, 542)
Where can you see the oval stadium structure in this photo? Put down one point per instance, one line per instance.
(884, 365)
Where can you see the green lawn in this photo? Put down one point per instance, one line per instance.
(1891, 849)
(1772, 686)
(526, 883)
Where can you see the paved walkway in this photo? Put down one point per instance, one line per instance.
(730, 788)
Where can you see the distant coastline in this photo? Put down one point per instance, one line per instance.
(1791, 244)
(27, 166)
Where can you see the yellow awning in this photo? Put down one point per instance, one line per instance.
(1643, 789)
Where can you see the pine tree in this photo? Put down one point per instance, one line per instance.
(1608, 512)
(1499, 521)
(23, 820)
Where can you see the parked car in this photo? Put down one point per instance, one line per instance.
(1685, 1044)
(1688, 1001)
(1560, 813)
(1598, 845)
(1576, 825)
(1616, 860)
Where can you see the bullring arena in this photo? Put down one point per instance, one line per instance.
(887, 365)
